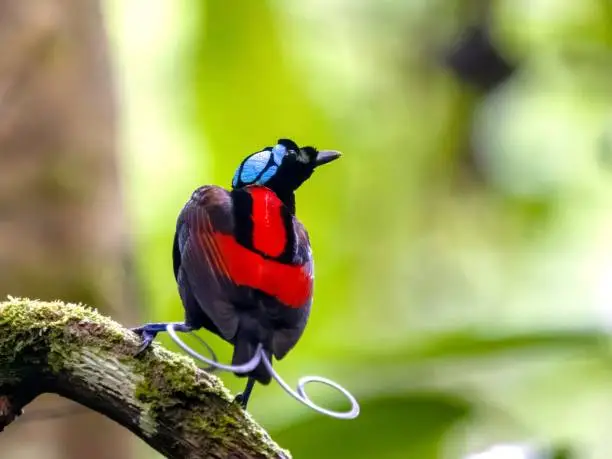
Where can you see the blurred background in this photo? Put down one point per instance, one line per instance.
(462, 244)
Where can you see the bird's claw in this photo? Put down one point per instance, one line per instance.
(239, 398)
(243, 397)
(147, 338)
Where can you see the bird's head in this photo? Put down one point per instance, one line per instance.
(282, 168)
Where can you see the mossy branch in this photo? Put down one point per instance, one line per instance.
(67, 349)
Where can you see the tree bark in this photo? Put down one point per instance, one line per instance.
(62, 232)
(178, 409)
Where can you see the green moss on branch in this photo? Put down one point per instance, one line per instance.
(161, 396)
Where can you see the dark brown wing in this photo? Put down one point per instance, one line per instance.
(294, 320)
(204, 285)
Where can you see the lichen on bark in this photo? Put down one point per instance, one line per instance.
(161, 396)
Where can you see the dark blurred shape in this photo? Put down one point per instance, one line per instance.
(476, 60)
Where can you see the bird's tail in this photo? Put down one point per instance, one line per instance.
(244, 350)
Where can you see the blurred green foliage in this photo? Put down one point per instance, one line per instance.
(463, 256)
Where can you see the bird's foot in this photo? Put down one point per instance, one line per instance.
(147, 338)
(148, 332)
(243, 398)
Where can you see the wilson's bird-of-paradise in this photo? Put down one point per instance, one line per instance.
(244, 267)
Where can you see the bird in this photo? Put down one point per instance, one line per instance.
(243, 261)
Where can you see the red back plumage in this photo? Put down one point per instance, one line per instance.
(269, 232)
(291, 285)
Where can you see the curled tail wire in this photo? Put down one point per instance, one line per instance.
(260, 357)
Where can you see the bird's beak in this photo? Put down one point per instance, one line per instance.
(326, 156)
